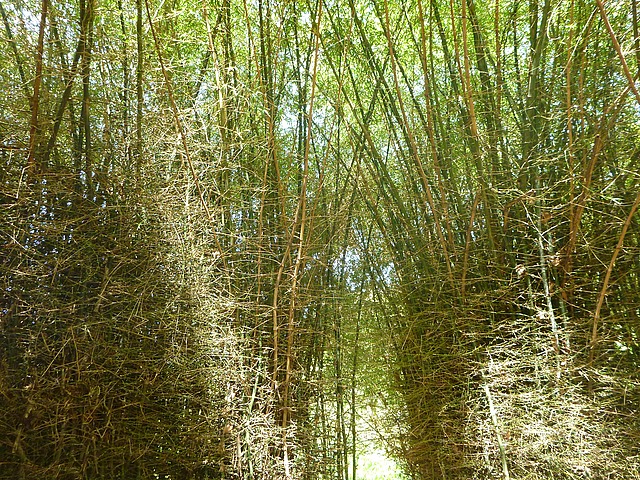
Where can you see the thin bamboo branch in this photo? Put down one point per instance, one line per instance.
(181, 131)
(608, 117)
(544, 274)
(607, 279)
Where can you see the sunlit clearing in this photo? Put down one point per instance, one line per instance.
(375, 465)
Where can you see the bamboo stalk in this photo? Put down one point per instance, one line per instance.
(496, 427)
(35, 99)
(302, 214)
(87, 11)
(14, 48)
(636, 34)
(66, 95)
(616, 45)
(414, 151)
(139, 96)
(467, 245)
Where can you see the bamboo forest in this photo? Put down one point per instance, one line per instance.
(319, 239)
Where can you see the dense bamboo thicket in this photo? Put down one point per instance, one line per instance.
(169, 231)
(241, 238)
(504, 188)
(111, 367)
